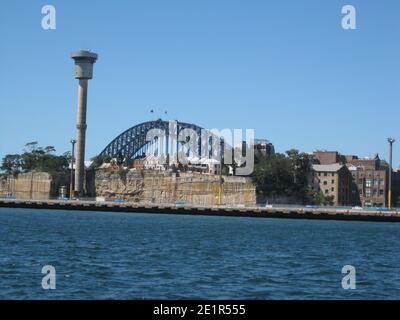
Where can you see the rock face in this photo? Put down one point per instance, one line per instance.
(33, 185)
(167, 187)
(146, 186)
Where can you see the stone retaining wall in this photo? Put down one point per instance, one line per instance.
(33, 185)
(146, 186)
(167, 187)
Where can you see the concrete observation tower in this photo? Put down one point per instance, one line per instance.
(84, 61)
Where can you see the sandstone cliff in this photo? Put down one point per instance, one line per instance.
(167, 187)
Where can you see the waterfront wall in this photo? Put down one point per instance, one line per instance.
(167, 187)
(231, 211)
(147, 186)
(33, 185)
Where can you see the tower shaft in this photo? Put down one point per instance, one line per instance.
(84, 61)
(81, 136)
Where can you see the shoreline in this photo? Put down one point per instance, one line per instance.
(251, 212)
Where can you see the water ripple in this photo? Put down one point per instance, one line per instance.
(144, 256)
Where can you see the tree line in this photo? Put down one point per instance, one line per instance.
(288, 175)
(35, 158)
(275, 175)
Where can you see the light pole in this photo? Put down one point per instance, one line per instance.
(391, 141)
(71, 184)
(221, 160)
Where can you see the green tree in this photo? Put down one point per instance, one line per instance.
(11, 164)
(36, 158)
(273, 176)
(321, 199)
(31, 146)
(301, 168)
(99, 160)
(284, 174)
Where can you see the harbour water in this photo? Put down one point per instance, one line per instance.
(101, 255)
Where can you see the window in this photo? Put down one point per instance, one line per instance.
(326, 191)
(333, 174)
(333, 181)
(333, 189)
(325, 174)
(368, 183)
(368, 193)
(325, 183)
(381, 192)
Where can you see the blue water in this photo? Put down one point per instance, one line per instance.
(144, 256)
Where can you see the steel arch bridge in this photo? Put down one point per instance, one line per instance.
(134, 142)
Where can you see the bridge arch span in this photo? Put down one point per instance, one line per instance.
(133, 141)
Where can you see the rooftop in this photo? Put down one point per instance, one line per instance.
(327, 167)
(84, 55)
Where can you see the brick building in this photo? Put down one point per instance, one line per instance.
(333, 180)
(139, 163)
(396, 188)
(371, 180)
(369, 176)
(263, 148)
(327, 157)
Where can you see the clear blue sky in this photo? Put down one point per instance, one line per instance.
(285, 68)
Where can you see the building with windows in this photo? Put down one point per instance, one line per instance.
(139, 163)
(263, 148)
(327, 157)
(369, 176)
(333, 180)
